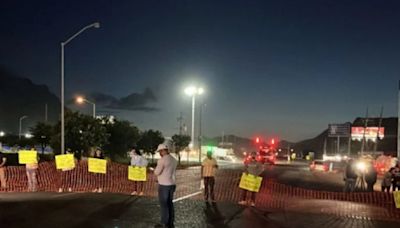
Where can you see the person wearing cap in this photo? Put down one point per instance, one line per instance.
(208, 168)
(165, 172)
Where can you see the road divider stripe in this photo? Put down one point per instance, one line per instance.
(187, 196)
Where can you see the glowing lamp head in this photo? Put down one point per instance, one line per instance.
(190, 90)
(80, 100)
(96, 25)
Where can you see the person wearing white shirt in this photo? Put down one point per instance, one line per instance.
(137, 160)
(165, 172)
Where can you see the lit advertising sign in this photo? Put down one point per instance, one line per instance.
(357, 133)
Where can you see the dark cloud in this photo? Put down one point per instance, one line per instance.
(132, 102)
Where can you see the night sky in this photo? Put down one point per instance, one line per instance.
(272, 68)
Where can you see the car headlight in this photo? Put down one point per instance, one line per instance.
(361, 166)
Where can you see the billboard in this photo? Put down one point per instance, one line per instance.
(339, 130)
(357, 133)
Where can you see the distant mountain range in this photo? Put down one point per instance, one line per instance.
(19, 97)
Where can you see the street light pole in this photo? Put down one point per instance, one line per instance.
(193, 91)
(94, 25)
(200, 129)
(193, 110)
(62, 100)
(20, 126)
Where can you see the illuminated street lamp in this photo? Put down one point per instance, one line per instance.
(94, 25)
(193, 91)
(81, 100)
(2, 134)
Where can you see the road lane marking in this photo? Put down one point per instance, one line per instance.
(187, 196)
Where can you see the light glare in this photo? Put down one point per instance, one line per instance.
(80, 100)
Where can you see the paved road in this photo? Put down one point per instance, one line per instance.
(298, 174)
(120, 211)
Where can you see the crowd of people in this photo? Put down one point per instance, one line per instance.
(166, 178)
(363, 176)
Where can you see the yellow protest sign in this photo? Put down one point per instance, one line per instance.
(27, 157)
(396, 196)
(65, 161)
(250, 182)
(97, 165)
(136, 173)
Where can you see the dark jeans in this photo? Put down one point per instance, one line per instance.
(395, 187)
(385, 188)
(370, 187)
(209, 188)
(165, 196)
(244, 195)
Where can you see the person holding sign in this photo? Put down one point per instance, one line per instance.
(254, 168)
(165, 172)
(137, 160)
(208, 168)
(98, 177)
(66, 163)
(31, 172)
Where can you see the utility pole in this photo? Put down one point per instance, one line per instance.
(365, 128)
(180, 121)
(223, 138)
(338, 145)
(379, 128)
(200, 130)
(45, 113)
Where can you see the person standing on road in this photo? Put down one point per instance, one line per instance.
(98, 176)
(31, 173)
(137, 160)
(387, 180)
(370, 177)
(165, 172)
(208, 168)
(66, 175)
(350, 177)
(396, 177)
(254, 168)
(3, 161)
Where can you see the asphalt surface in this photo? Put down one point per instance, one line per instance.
(298, 174)
(119, 211)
